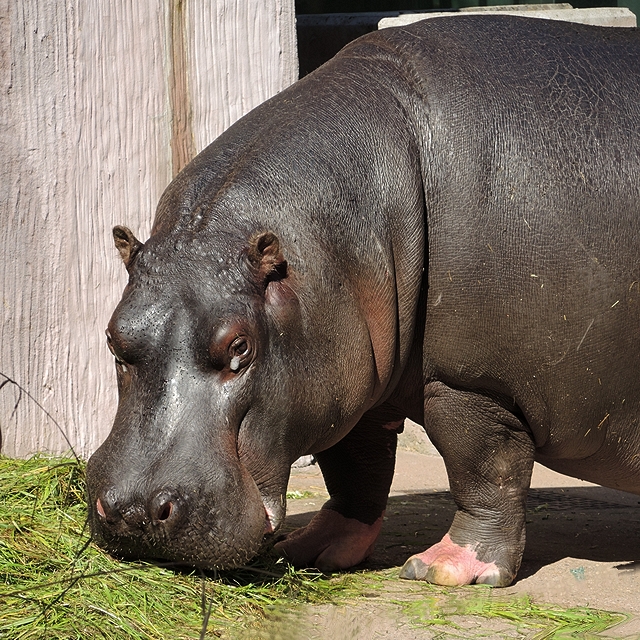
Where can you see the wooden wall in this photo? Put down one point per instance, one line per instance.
(101, 103)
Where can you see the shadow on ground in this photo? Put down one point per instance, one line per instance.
(563, 522)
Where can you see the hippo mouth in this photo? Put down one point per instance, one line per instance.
(219, 515)
(189, 526)
(203, 537)
(270, 487)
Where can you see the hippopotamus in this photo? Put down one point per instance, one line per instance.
(442, 223)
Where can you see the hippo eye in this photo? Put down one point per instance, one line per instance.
(240, 352)
(240, 347)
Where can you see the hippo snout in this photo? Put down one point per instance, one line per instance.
(132, 524)
(209, 521)
(166, 508)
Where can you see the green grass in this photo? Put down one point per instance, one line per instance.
(297, 495)
(54, 584)
(538, 622)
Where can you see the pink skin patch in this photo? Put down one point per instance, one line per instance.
(449, 564)
(330, 542)
(269, 519)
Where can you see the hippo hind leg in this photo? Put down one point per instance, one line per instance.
(358, 472)
(489, 457)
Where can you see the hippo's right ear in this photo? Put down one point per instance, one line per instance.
(265, 257)
(127, 244)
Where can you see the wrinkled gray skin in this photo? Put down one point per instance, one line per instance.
(443, 223)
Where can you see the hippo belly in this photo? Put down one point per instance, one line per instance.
(441, 223)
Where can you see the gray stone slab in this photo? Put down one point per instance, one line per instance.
(600, 16)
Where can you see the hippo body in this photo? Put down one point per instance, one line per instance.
(441, 223)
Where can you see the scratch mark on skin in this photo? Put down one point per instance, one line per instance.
(585, 335)
(603, 420)
(592, 258)
(525, 221)
(553, 364)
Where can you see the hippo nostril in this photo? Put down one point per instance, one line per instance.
(164, 506)
(165, 512)
(106, 505)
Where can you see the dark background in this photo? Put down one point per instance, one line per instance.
(321, 33)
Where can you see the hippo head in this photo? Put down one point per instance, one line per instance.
(211, 347)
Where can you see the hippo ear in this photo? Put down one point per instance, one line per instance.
(265, 257)
(127, 244)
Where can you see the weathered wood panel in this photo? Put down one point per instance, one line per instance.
(251, 61)
(100, 104)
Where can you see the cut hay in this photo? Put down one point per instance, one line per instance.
(55, 584)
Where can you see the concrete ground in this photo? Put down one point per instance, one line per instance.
(583, 547)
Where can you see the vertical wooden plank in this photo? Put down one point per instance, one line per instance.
(182, 142)
(239, 54)
(121, 164)
(88, 147)
(37, 128)
(100, 103)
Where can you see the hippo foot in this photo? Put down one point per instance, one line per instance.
(449, 564)
(330, 542)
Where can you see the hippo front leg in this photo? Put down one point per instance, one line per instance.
(358, 472)
(489, 457)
